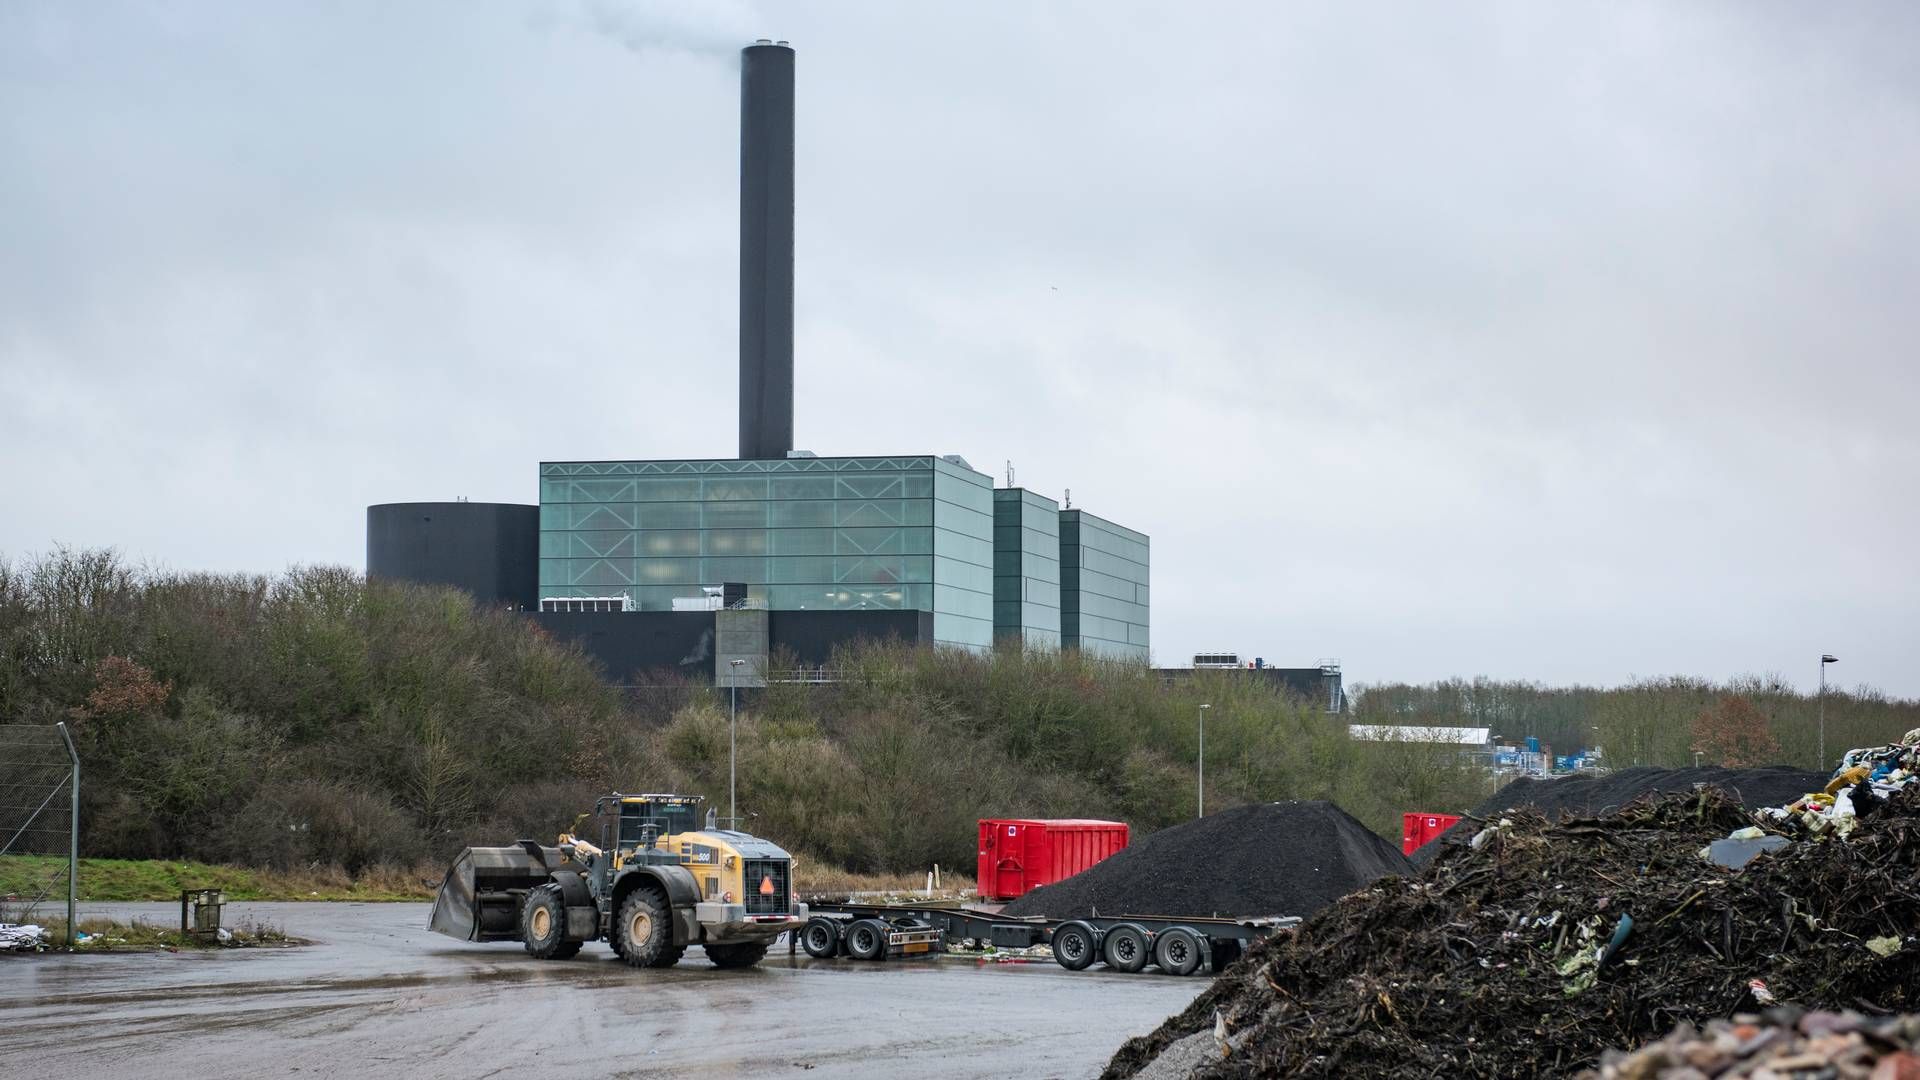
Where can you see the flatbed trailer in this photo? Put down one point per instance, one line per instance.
(1129, 943)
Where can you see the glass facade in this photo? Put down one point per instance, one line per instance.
(911, 533)
(1026, 569)
(1103, 587)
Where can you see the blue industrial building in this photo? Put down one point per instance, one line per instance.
(712, 567)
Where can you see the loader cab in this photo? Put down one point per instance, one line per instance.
(634, 819)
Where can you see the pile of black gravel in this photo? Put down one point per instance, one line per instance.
(1771, 785)
(1284, 858)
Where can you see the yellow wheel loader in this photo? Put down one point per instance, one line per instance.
(657, 882)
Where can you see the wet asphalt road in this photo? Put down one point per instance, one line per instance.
(380, 995)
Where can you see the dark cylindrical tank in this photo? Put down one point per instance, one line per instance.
(766, 251)
(491, 550)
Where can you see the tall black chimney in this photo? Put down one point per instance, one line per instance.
(766, 250)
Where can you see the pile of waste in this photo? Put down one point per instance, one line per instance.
(1280, 858)
(1539, 944)
(1866, 777)
(1782, 1043)
(21, 937)
(1771, 785)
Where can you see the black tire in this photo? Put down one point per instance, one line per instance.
(867, 940)
(1126, 948)
(1073, 946)
(543, 924)
(644, 931)
(742, 955)
(1179, 951)
(821, 939)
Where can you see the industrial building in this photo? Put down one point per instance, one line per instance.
(709, 568)
(1321, 683)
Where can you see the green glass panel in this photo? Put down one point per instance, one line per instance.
(740, 515)
(804, 513)
(802, 487)
(667, 489)
(670, 542)
(802, 541)
(736, 488)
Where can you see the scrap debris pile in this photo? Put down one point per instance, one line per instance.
(1783, 1043)
(1541, 944)
(1280, 858)
(1771, 785)
(1865, 778)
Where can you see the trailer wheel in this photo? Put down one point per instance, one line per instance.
(821, 939)
(1178, 951)
(645, 930)
(1126, 948)
(867, 940)
(1225, 952)
(1073, 946)
(743, 955)
(543, 924)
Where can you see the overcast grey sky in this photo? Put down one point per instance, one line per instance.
(1548, 341)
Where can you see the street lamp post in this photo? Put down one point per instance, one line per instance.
(1825, 659)
(733, 718)
(1202, 784)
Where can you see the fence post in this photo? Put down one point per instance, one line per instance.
(73, 838)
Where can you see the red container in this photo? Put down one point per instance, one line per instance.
(1018, 853)
(1419, 830)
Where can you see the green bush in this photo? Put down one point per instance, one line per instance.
(317, 719)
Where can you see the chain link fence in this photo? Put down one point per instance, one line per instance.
(39, 801)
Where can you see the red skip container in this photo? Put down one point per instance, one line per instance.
(1017, 854)
(1419, 830)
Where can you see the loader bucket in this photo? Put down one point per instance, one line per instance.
(480, 898)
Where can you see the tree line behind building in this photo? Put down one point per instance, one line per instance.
(314, 718)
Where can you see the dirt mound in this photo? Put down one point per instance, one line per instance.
(1771, 785)
(1551, 942)
(1283, 858)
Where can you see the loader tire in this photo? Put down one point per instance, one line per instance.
(645, 931)
(543, 924)
(743, 955)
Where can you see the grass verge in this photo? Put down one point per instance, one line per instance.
(33, 876)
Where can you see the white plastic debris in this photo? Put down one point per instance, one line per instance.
(21, 936)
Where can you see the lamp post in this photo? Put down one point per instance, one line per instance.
(1202, 784)
(1825, 659)
(733, 718)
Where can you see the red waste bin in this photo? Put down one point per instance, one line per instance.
(1419, 830)
(1017, 854)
